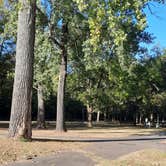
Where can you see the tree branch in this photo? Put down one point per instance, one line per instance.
(52, 38)
(43, 14)
(56, 42)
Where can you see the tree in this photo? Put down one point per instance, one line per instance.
(43, 57)
(7, 60)
(62, 80)
(45, 71)
(41, 108)
(63, 26)
(20, 120)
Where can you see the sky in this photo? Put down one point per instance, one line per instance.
(157, 23)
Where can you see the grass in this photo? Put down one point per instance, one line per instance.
(101, 130)
(96, 132)
(17, 150)
(148, 157)
(14, 150)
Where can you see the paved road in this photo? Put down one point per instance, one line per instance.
(61, 159)
(98, 149)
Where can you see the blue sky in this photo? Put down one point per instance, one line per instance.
(157, 23)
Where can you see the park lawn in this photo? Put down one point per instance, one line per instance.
(116, 132)
(103, 133)
(19, 150)
(101, 130)
(147, 157)
(14, 150)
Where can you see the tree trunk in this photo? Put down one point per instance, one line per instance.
(89, 111)
(136, 118)
(60, 99)
(83, 118)
(163, 119)
(60, 123)
(158, 119)
(140, 119)
(20, 119)
(113, 118)
(151, 117)
(105, 116)
(41, 108)
(98, 116)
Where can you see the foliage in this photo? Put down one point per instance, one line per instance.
(104, 41)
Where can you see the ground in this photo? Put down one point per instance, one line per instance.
(103, 145)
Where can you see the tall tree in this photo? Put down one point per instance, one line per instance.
(41, 108)
(62, 80)
(45, 69)
(20, 120)
(61, 31)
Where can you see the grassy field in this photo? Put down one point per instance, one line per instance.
(14, 150)
(101, 130)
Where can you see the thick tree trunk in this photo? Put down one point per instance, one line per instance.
(60, 123)
(20, 119)
(41, 108)
(60, 99)
(98, 116)
(89, 113)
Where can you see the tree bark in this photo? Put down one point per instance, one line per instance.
(60, 123)
(98, 116)
(83, 118)
(60, 99)
(89, 112)
(158, 118)
(140, 119)
(41, 108)
(151, 117)
(136, 118)
(105, 116)
(113, 118)
(20, 119)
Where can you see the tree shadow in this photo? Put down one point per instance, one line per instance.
(4, 125)
(76, 125)
(81, 126)
(97, 140)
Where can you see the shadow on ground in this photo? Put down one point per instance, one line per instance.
(99, 129)
(98, 140)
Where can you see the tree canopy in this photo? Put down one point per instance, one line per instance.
(95, 49)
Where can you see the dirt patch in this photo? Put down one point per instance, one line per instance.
(14, 150)
(148, 157)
